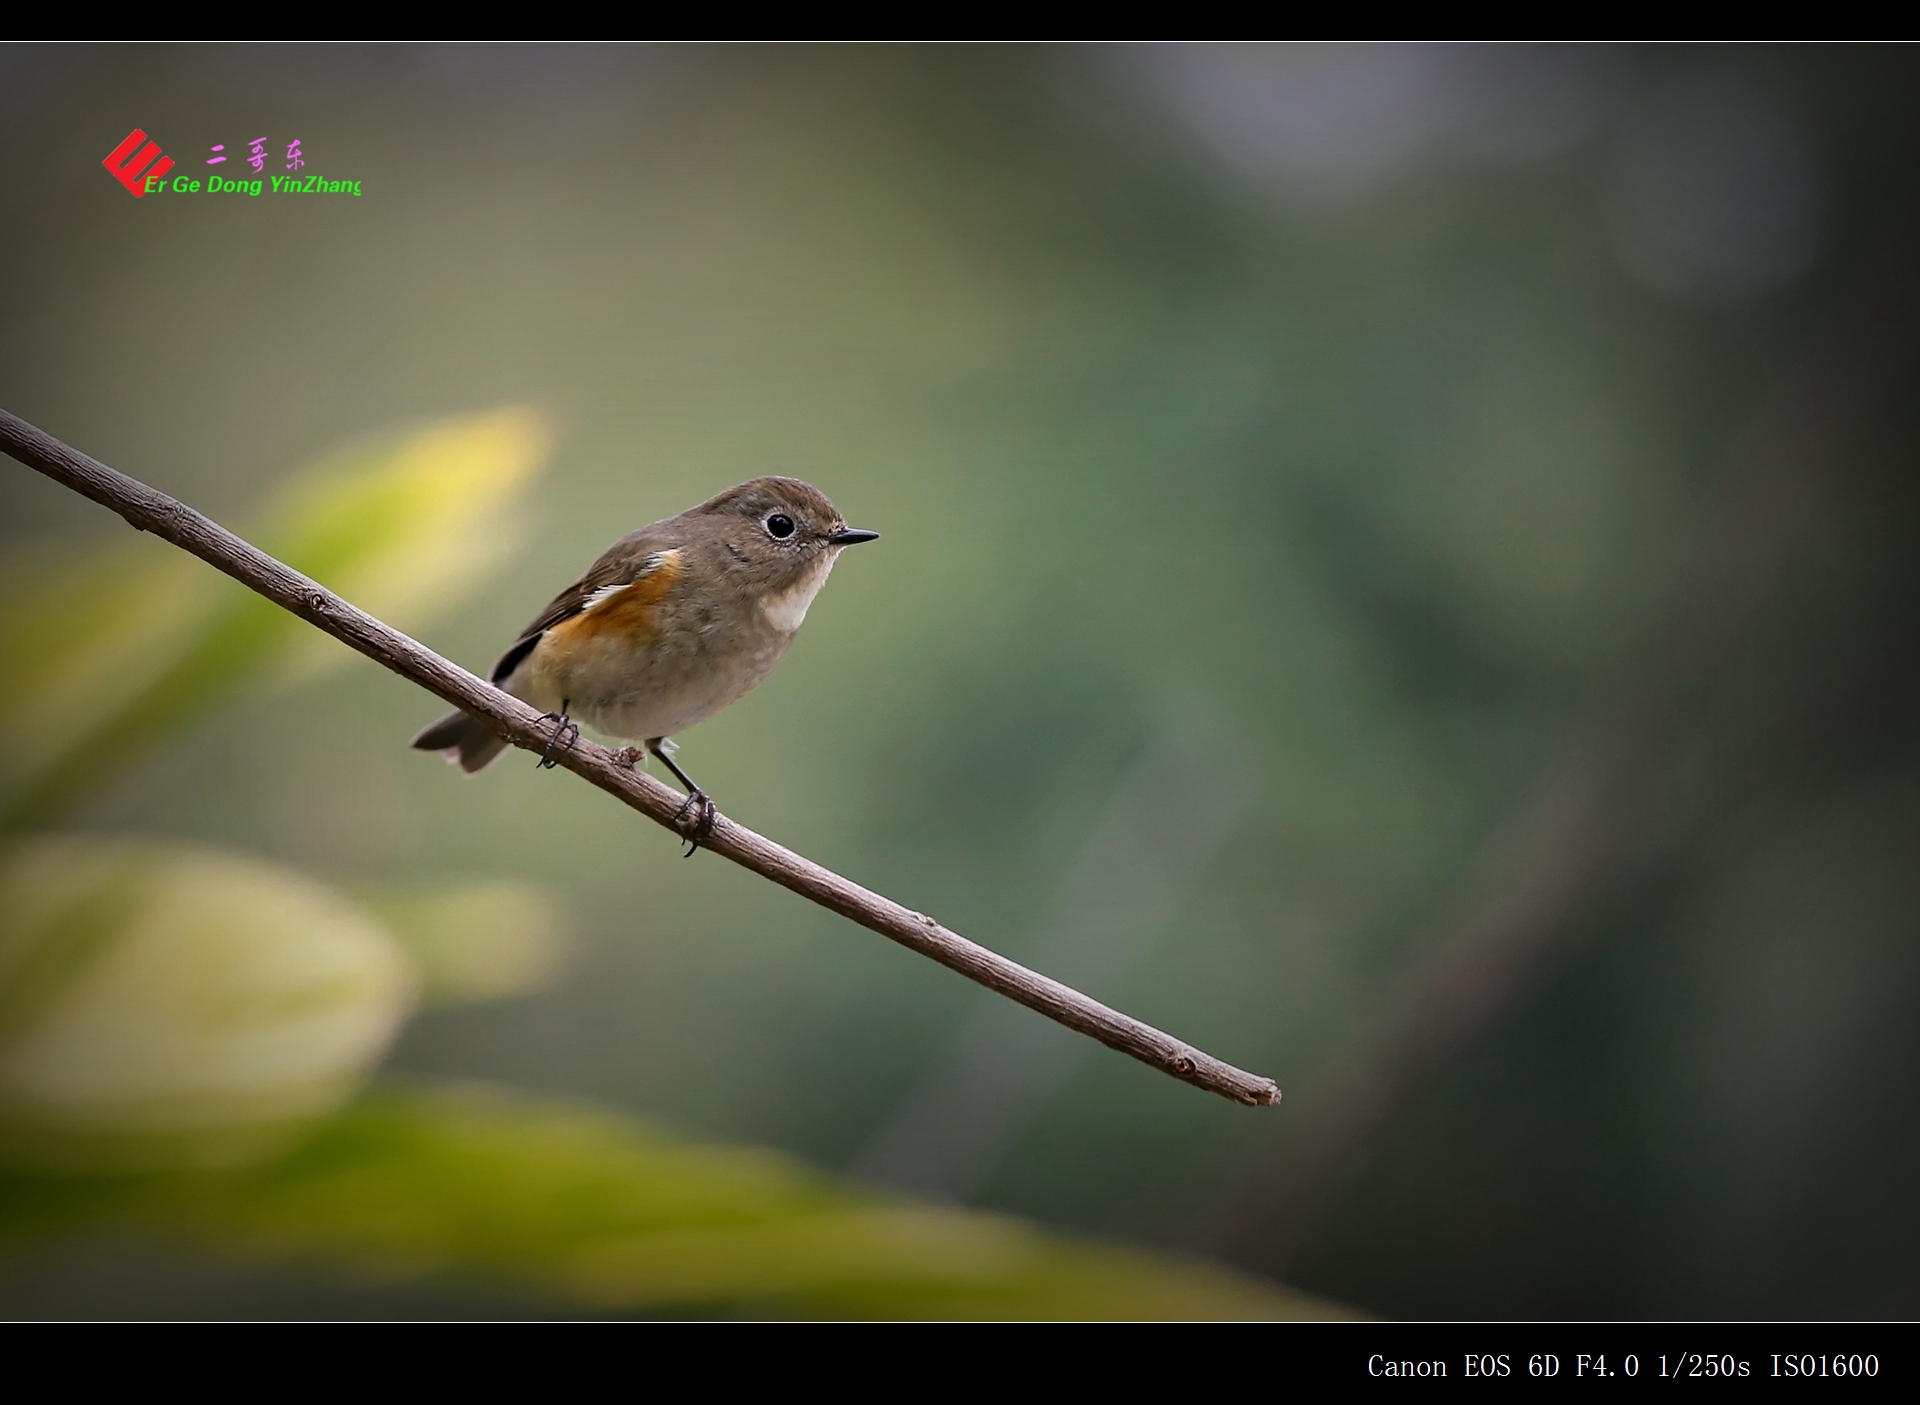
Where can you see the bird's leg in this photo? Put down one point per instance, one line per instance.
(561, 724)
(700, 825)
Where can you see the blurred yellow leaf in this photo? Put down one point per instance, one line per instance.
(108, 652)
(82, 633)
(405, 528)
(165, 1003)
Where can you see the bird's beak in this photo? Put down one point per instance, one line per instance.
(847, 536)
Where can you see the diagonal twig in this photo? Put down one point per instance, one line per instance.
(149, 510)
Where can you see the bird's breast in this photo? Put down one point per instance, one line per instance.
(785, 609)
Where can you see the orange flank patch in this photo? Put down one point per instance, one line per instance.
(593, 655)
(626, 614)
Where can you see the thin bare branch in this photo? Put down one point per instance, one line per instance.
(152, 511)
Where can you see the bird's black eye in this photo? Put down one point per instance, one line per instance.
(779, 526)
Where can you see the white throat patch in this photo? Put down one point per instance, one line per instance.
(785, 609)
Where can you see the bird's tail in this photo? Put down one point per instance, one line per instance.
(465, 741)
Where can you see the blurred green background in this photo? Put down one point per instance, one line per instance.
(1396, 567)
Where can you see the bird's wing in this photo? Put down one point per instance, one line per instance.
(628, 561)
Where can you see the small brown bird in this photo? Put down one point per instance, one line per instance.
(674, 622)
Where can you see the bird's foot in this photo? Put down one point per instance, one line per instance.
(562, 726)
(694, 819)
(629, 757)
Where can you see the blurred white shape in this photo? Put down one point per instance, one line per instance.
(1715, 193)
(1118, 899)
(166, 1003)
(1327, 120)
